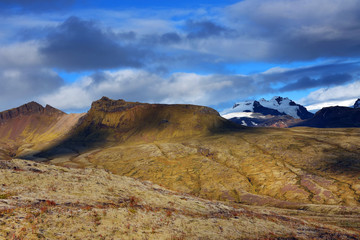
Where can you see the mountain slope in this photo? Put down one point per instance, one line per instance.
(191, 149)
(111, 122)
(31, 127)
(334, 117)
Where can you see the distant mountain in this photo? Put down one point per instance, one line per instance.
(357, 103)
(277, 106)
(277, 112)
(334, 117)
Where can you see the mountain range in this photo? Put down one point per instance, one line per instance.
(283, 112)
(299, 174)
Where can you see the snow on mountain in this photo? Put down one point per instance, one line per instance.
(276, 106)
(282, 105)
(357, 103)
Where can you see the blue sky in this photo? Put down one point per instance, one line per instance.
(215, 53)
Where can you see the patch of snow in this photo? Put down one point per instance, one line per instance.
(238, 115)
(253, 123)
(243, 123)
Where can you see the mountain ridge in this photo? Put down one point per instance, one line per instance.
(27, 109)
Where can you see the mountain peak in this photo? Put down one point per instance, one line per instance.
(28, 109)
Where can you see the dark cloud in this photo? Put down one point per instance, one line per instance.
(80, 45)
(326, 81)
(19, 86)
(169, 38)
(203, 29)
(335, 73)
(302, 30)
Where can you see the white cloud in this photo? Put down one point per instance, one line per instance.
(139, 85)
(344, 95)
(22, 54)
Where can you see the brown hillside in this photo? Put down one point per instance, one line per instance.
(111, 122)
(31, 127)
(147, 122)
(191, 149)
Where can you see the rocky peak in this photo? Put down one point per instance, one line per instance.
(357, 103)
(28, 109)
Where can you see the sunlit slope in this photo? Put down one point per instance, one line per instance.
(280, 167)
(113, 122)
(31, 127)
(120, 120)
(192, 149)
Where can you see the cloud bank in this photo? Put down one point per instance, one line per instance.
(178, 55)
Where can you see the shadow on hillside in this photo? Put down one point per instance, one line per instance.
(347, 164)
(87, 138)
(81, 140)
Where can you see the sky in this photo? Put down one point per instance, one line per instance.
(69, 53)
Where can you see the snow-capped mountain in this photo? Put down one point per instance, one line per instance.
(276, 106)
(357, 103)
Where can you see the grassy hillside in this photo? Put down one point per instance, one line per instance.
(278, 167)
(39, 201)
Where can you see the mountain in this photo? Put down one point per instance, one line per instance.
(334, 117)
(357, 103)
(110, 122)
(277, 112)
(30, 127)
(276, 106)
(310, 173)
(192, 149)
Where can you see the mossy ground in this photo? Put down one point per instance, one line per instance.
(51, 202)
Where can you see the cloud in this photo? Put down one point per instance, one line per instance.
(307, 82)
(140, 85)
(344, 94)
(300, 78)
(203, 29)
(300, 29)
(78, 45)
(19, 86)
